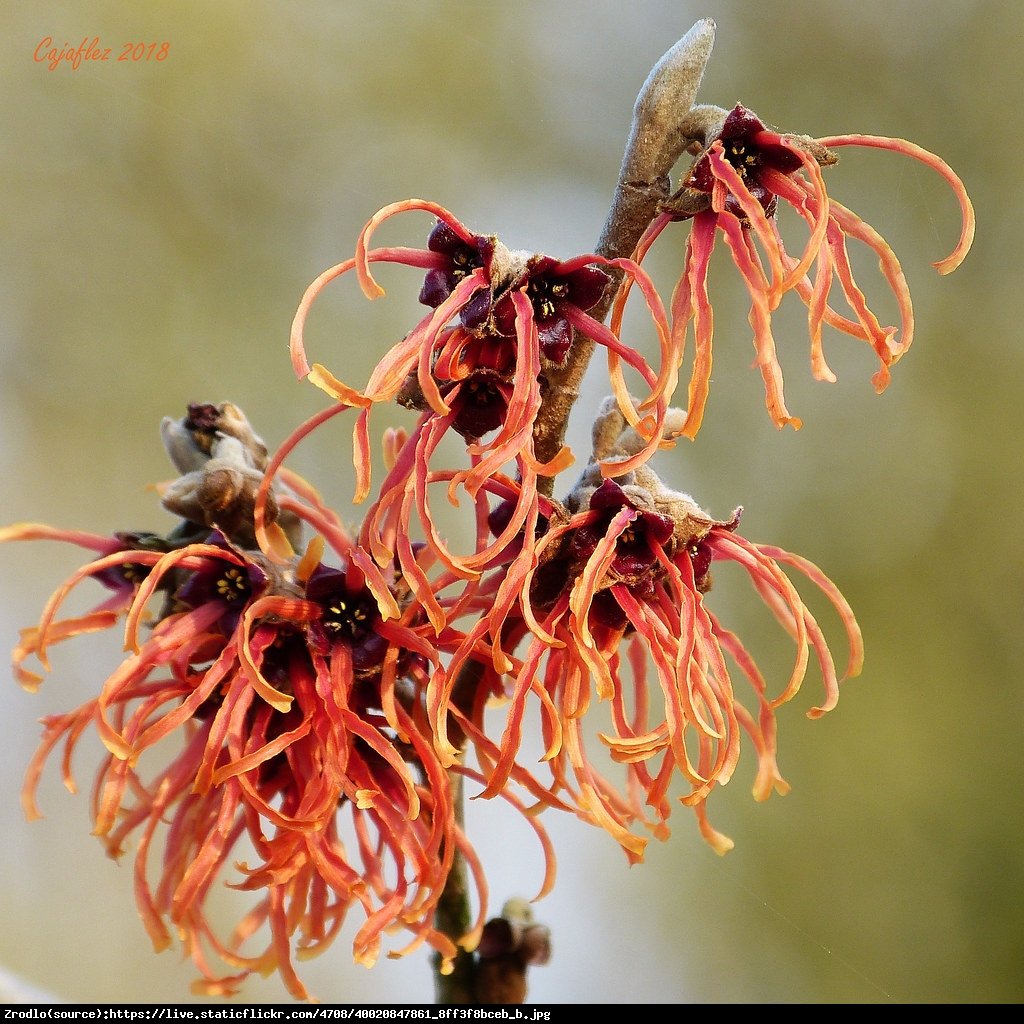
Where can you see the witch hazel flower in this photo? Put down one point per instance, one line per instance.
(741, 172)
(267, 690)
(264, 702)
(120, 563)
(554, 289)
(476, 362)
(624, 580)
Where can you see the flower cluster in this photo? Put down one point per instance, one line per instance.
(289, 685)
(323, 694)
(617, 589)
(741, 171)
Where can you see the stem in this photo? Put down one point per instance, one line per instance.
(661, 131)
(453, 918)
(454, 914)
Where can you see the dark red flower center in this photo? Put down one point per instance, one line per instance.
(745, 157)
(636, 545)
(464, 261)
(461, 259)
(544, 292)
(232, 584)
(750, 149)
(134, 573)
(350, 617)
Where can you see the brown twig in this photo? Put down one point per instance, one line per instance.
(454, 918)
(663, 128)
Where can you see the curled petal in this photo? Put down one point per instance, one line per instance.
(370, 288)
(967, 219)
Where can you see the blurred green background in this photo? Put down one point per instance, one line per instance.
(160, 221)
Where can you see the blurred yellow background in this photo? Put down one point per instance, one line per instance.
(159, 222)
